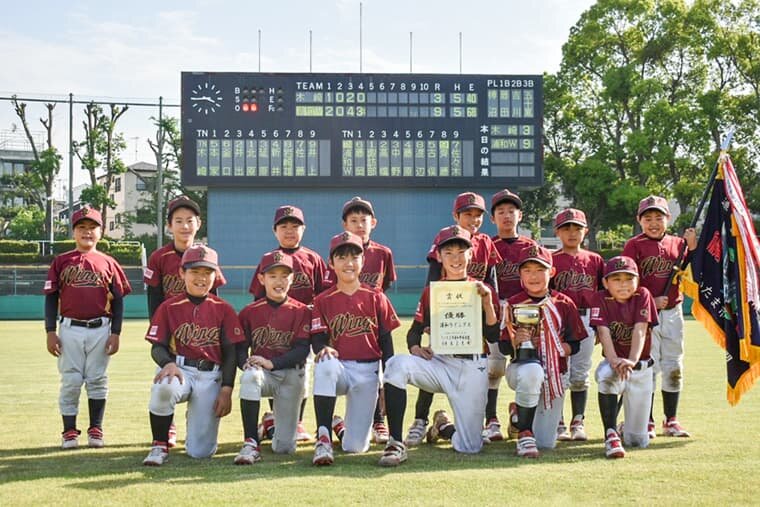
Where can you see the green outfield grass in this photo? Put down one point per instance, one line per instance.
(718, 465)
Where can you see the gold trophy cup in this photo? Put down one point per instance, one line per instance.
(526, 316)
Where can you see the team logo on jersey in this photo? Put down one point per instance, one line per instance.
(574, 280)
(621, 333)
(371, 279)
(656, 266)
(595, 313)
(76, 276)
(192, 335)
(267, 337)
(508, 270)
(301, 281)
(173, 285)
(350, 325)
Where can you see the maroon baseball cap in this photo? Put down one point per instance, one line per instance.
(653, 202)
(621, 264)
(469, 200)
(275, 259)
(535, 253)
(357, 202)
(200, 256)
(182, 201)
(345, 238)
(452, 233)
(288, 211)
(87, 213)
(570, 216)
(505, 196)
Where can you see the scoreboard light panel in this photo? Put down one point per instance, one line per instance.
(371, 130)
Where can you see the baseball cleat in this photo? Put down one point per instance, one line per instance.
(301, 434)
(380, 433)
(323, 451)
(526, 445)
(172, 436)
(158, 455)
(651, 430)
(416, 433)
(440, 421)
(70, 439)
(672, 428)
(394, 454)
(577, 430)
(512, 430)
(266, 427)
(493, 431)
(338, 427)
(562, 433)
(249, 454)
(95, 437)
(613, 447)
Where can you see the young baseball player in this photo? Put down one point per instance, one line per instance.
(540, 353)
(468, 211)
(309, 279)
(578, 275)
(277, 331)
(656, 253)
(462, 378)
(351, 334)
(183, 220)
(88, 287)
(193, 339)
(623, 316)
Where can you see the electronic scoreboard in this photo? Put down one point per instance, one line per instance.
(361, 130)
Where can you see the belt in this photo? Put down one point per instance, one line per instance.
(470, 357)
(644, 364)
(582, 311)
(91, 324)
(198, 364)
(364, 360)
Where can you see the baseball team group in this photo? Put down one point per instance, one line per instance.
(317, 330)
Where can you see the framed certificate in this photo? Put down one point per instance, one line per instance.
(456, 316)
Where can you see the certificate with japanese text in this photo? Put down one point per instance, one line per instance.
(456, 316)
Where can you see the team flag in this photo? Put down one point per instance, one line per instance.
(723, 280)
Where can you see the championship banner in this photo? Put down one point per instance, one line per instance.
(723, 281)
(456, 316)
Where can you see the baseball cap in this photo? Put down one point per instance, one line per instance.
(275, 259)
(452, 233)
(182, 201)
(200, 256)
(570, 216)
(345, 238)
(505, 196)
(87, 213)
(469, 200)
(621, 264)
(288, 211)
(357, 202)
(653, 202)
(537, 254)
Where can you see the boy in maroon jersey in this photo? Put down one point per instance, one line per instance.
(623, 316)
(351, 334)
(578, 276)
(193, 337)
(656, 253)
(310, 277)
(277, 331)
(540, 353)
(468, 211)
(88, 286)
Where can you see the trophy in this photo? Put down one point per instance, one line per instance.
(526, 316)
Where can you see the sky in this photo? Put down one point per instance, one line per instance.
(136, 50)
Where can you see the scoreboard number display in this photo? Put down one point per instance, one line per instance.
(371, 130)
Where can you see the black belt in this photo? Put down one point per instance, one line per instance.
(582, 311)
(364, 360)
(471, 357)
(92, 323)
(201, 364)
(644, 364)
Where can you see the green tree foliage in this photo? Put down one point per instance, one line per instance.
(27, 223)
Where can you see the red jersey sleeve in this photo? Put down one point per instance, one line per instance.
(232, 331)
(386, 314)
(302, 330)
(119, 283)
(158, 330)
(152, 272)
(318, 322)
(51, 283)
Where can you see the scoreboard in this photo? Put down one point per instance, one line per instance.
(361, 130)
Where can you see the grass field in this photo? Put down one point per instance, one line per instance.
(718, 465)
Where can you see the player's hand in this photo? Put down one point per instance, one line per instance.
(260, 362)
(624, 368)
(223, 402)
(690, 235)
(326, 353)
(522, 334)
(483, 291)
(661, 302)
(169, 370)
(112, 344)
(423, 352)
(53, 343)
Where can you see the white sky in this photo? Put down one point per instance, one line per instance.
(136, 50)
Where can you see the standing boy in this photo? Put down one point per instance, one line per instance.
(277, 331)
(623, 316)
(351, 335)
(579, 276)
(462, 378)
(88, 286)
(193, 337)
(656, 253)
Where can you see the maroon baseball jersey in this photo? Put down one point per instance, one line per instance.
(271, 330)
(507, 271)
(195, 331)
(354, 323)
(309, 276)
(378, 270)
(655, 259)
(621, 317)
(578, 276)
(86, 283)
(571, 325)
(163, 270)
(484, 256)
